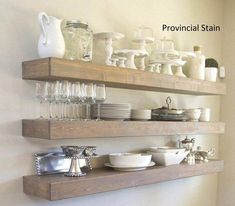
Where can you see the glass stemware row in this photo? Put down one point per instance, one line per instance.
(64, 100)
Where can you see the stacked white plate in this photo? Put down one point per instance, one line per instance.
(119, 111)
(140, 114)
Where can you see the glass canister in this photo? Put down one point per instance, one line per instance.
(78, 40)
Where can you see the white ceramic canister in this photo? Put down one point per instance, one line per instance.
(211, 74)
(51, 41)
(197, 67)
(205, 115)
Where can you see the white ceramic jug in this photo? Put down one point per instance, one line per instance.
(51, 41)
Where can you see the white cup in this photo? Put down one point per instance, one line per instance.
(205, 115)
(211, 74)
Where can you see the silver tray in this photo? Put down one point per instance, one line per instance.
(54, 163)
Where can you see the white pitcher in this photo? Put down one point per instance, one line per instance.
(51, 41)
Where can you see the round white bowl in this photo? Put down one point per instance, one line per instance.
(130, 159)
(168, 158)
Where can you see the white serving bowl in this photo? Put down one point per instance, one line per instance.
(168, 158)
(193, 114)
(130, 159)
(167, 150)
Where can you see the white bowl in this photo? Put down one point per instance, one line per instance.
(130, 159)
(167, 150)
(168, 158)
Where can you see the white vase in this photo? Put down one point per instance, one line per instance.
(51, 41)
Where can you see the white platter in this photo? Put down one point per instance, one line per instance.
(128, 169)
(109, 35)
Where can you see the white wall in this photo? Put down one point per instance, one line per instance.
(19, 31)
(227, 178)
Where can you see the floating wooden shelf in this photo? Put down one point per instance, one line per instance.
(47, 129)
(57, 69)
(57, 187)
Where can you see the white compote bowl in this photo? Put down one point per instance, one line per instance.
(108, 37)
(179, 69)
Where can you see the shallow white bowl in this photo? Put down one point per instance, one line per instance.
(168, 158)
(130, 159)
(167, 150)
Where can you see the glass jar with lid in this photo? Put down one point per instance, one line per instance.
(78, 40)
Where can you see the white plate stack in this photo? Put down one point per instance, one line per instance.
(140, 114)
(109, 111)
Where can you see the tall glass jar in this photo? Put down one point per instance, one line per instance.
(78, 40)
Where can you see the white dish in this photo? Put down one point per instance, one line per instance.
(110, 111)
(166, 159)
(128, 169)
(109, 35)
(146, 39)
(167, 150)
(121, 159)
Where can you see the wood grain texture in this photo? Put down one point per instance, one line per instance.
(56, 69)
(47, 129)
(56, 187)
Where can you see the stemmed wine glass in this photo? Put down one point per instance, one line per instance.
(75, 98)
(57, 108)
(100, 96)
(65, 94)
(89, 96)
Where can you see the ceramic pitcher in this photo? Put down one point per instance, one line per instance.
(51, 41)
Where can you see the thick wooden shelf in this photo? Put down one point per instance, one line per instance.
(47, 129)
(57, 187)
(56, 69)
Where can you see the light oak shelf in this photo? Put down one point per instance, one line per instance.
(51, 129)
(57, 187)
(49, 69)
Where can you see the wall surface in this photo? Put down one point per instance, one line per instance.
(227, 178)
(19, 31)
